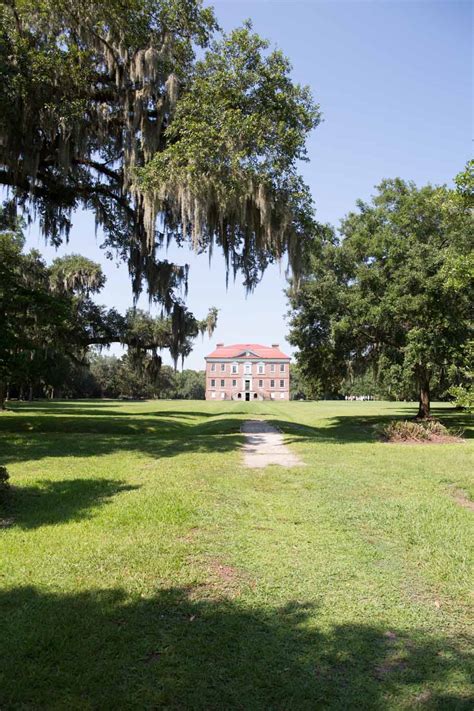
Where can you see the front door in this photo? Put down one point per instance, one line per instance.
(247, 397)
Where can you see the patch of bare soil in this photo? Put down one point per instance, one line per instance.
(396, 656)
(222, 581)
(225, 573)
(463, 499)
(190, 536)
(390, 666)
(423, 697)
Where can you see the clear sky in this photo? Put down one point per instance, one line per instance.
(394, 82)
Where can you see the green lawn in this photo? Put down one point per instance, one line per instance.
(142, 567)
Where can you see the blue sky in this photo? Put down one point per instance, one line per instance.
(394, 82)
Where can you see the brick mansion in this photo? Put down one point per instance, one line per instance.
(247, 371)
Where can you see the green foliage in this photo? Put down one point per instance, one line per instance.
(303, 388)
(382, 296)
(76, 274)
(4, 483)
(297, 389)
(463, 390)
(35, 321)
(105, 106)
(463, 396)
(465, 184)
(190, 385)
(104, 371)
(124, 377)
(233, 145)
(49, 321)
(364, 383)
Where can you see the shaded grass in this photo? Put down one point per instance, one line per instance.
(167, 651)
(145, 568)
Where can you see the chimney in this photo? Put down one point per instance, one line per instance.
(275, 345)
(219, 345)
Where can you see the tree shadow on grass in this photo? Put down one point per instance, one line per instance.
(41, 436)
(100, 649)
(350, 429)
(52, 502)
(111, 408)
(165, 434)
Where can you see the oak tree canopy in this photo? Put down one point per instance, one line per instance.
(167, 129)
(393, 292)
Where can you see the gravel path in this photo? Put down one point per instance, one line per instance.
(264, 445)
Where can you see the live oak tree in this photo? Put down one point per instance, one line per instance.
(459, 274)
(49, 318)
(105, 106)
(388, 294)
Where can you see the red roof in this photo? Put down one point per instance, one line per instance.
(254, 349)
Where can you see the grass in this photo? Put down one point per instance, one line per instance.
(142, 567)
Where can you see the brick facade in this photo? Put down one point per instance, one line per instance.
(247, 371)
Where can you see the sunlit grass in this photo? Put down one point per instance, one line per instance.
(143, 567)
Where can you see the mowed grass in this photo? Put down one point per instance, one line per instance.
(142, 567)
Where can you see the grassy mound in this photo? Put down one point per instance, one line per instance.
(418, 431)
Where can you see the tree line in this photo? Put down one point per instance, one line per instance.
(109, 376)
(50, 322)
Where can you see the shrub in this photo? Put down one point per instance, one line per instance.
(463, 396)
(417, 431)
(4, 485)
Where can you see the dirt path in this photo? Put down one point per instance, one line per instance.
(264, 445)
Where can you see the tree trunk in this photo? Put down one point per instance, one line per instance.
(425, 401)
(3, 392)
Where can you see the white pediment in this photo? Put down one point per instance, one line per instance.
(247, 354)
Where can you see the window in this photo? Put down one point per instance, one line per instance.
(282, 383)
(222, 367)
(272, 395)
(272, 383)
(282, 396)
(272, 367)
(223, 383)
(213, 383)
(261, 368)
(213, 394)
(213, 367)
(260, 383)
(222, 396)
(234, 383)
(248, 368)
(282, 368)
(235, 368)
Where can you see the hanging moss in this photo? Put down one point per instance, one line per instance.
(106, 108)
